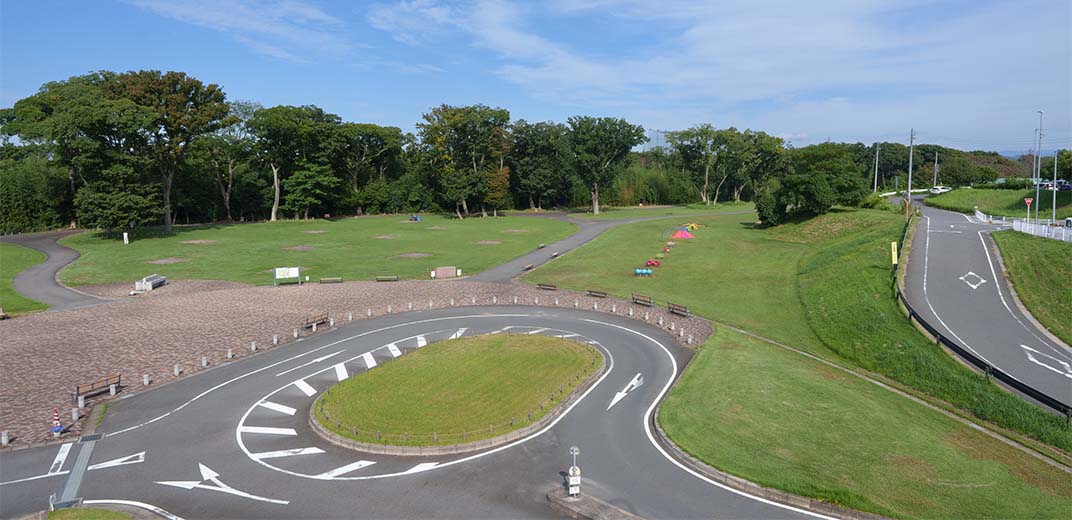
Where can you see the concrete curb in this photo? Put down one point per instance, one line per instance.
(586, 507)
(453, 449)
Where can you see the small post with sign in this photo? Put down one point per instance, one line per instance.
(1028, 200)
(574, 474)
(893, 253)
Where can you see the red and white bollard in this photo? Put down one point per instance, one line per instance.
(56, 426)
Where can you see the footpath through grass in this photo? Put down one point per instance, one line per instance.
(13, 260)
(1041, 272)
(433, 395)
(353, 248)
(1009, 203)
(782, 420)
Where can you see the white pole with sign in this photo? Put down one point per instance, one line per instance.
(574, 474)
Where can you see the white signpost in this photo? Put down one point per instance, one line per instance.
(286, 273)
(574, 474)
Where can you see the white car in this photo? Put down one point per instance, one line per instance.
(940, 189)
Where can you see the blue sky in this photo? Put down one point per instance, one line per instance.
(968, 74)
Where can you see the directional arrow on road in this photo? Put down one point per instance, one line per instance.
(636, 382)
(208, 475)
(1065, 370)
(121, 461)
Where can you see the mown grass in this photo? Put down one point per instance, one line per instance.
(456, 386)
(1041, 272)
(844, 288)
(782, 420)
(13, 260)
(87, 513)
(349, 248)
(614, 213)
(1009, 203)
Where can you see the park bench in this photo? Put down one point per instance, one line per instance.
(97, 387)
(387, 278)
(149, 283)
(335, 279)
(528, 267)
(640, 299)
(547, 287)
(314, 320)
(597, 294)
(680, 310)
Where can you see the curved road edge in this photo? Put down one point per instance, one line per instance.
(41, 282)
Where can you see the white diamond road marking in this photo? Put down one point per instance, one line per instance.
(267, 430)
(340, 372)
(305, 388)
(287, 453)
(393, 349)
(346, 469)
(973, 280)
(277, 407)
(370, 361)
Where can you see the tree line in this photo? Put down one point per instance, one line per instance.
(119, 151)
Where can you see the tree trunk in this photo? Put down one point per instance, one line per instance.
(457, 209)
(532, 205)
(168, 177)
(719, 187)
(275, 186)
(595, 198)
(465, 206)
(706, 176)
(483, 212)
(737, 193)
(71, 173)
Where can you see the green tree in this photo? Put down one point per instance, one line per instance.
(539, 161)
(227, 152)
(600, 147)
(105, 206)
(31, 191)
(310, 186)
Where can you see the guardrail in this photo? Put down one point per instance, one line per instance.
(1043, 229)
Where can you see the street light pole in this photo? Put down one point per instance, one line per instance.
(877, 147)
(908, 192)
(1054, 210)
(1038, 177)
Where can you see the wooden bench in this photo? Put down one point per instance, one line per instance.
(314, 320)
(597, 294)
(528, 267)
(680, 310)
(387, 278)
(335, 279)
(646, 301)
(547, 287)
(97, 387)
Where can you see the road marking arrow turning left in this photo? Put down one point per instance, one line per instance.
(636, 382)
(208, 475)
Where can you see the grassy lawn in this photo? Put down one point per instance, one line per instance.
(87, 513)
(13, 259)
(456, 386)
(1041, 271)
(352, 248)
(785, 421)
(1009, 203)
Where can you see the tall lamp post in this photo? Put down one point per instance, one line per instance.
(1038, 176)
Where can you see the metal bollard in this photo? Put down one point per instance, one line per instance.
(556, 302)
(537, 300)
(275, 339)
(295, 333)
(253, 344)
(349, 316)
(452, 302)
(230, 354)
(368, 313)
(576, 303)
(630, 311)
(145, 379)
(614, 309)
(430, 304)
(673, 325)
(595, 306)
(660, 321)
(111, 390)
(410, 307)
(474, 300)
(690, 339)
(681, 332)
(177, 370)
(81, 401)
(75, 415)
(204, 361)
(314, 327)
(388, 309)
(5, 438)
(331, 322)
(494, 300)
(646, 315)
(515, 300)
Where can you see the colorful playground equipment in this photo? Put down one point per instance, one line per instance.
(642, 271)
(652, 263)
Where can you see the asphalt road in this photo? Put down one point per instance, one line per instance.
(233, 441)
(954, 283)
(39, 282)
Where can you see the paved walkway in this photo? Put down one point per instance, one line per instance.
(39, 282)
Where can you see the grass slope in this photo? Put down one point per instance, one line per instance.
(87, 513)
(458, 385)
(1009, 203)
(13, 260)
(323, 248)
(1041, 272)
(785, 421)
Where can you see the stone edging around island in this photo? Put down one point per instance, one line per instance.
(453, 449)
(751, 488)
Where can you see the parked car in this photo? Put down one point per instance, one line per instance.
(1048, 186)
(940, 189)
(1064, 187)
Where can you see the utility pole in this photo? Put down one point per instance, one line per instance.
(1038, 177)
(1054, 214)
(877, 146)
(908, 190)
(935, 168)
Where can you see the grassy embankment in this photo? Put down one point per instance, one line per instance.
(87, 513)
(822, 286)
(354, 249)
(13, 259)
(456, 386)
(1041, 272)
(1009, 203)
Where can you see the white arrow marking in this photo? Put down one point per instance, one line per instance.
(537, 331)
(370, 361)
(393, 349)
(122, 461)
(267, 430)
(458, 334)
(421, 341)
(1067, 368)
(504, 329)
(208, 475)
(277, 407)
(345, 469)
(421, 467)
(636, 382)
(286, 453)
(61, 456)
(305, 388)
(340, 372)
(317, 360)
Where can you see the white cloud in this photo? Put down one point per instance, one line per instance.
(291, 30)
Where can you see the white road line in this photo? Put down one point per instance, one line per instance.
(305, 388)
(277, 407)
(537, 331)
(303, 365)
(458, 333)
(122, 461)
(393, 349)
(504, 329)
(567, 336)
(287, 453)
(340, 372)
(267, 430)
(27, 479)
(420, 467)
(370, 361)
(345, 469)
(61, 456)
(421, 341)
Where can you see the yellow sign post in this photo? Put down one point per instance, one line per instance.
(893, 253)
